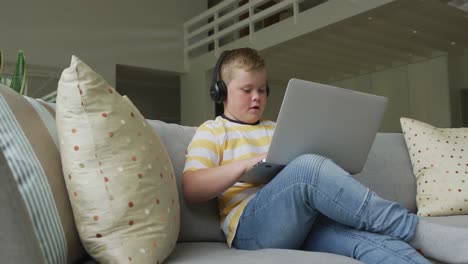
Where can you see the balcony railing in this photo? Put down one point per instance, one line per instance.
(234, 19)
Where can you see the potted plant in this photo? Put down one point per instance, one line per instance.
(18, 80)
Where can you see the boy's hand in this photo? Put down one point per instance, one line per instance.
(250, 162)
(205, 184)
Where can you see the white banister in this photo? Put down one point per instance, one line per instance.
(251, 24)
(216, 29)
(219, 20)
(208, 13)
(295, 11)
(210, 22)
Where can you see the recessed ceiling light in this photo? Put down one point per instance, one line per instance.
(453, 43)
(415, 31)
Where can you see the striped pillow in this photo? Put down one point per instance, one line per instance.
(36, 223)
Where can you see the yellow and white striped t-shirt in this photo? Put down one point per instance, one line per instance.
(219, 142)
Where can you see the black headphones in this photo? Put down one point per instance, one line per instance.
(218, 89)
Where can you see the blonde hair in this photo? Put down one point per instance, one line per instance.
(244, 58)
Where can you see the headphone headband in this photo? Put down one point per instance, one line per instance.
(217, 69)
(218, 89)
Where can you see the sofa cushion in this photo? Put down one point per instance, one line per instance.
(452, 220)
(198, 222)
(36, 223)
(215, 253)
(117, 170)
(388, 170)
(440, 164)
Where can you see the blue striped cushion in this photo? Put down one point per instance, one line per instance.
(30, 158)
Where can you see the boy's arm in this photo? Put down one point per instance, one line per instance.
(206, 184)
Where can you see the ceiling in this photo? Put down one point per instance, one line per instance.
(461, 4)
(395, 34)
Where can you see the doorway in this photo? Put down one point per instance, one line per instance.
(155, 93)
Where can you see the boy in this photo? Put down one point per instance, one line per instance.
(312, 204)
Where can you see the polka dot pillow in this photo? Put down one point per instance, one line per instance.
(440, 164)
(118, 174)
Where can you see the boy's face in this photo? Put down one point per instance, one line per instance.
(246, 95)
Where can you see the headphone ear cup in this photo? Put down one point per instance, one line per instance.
(214, 92)
(267, 89)
(222, 91)
(218, 90)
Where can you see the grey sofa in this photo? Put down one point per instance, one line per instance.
(387, 171)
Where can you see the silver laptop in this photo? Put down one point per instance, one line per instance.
(315, 118)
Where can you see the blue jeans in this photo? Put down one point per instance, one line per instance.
(314, 205)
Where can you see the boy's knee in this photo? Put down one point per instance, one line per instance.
(313, 160)
(317, 164)
(310, 163)
(304, 168)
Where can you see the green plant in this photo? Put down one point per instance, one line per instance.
(18, 80)
(1, 66)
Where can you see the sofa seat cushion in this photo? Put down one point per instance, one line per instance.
(198, 222)
(213, 252)
(454, 220)
(388, 170)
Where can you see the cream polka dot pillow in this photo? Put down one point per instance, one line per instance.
(119, 177)
(440, 165)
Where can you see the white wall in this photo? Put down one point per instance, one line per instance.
(428, 91)
(458, 67)
(419, 90)
(464, 66)
(102, 33)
